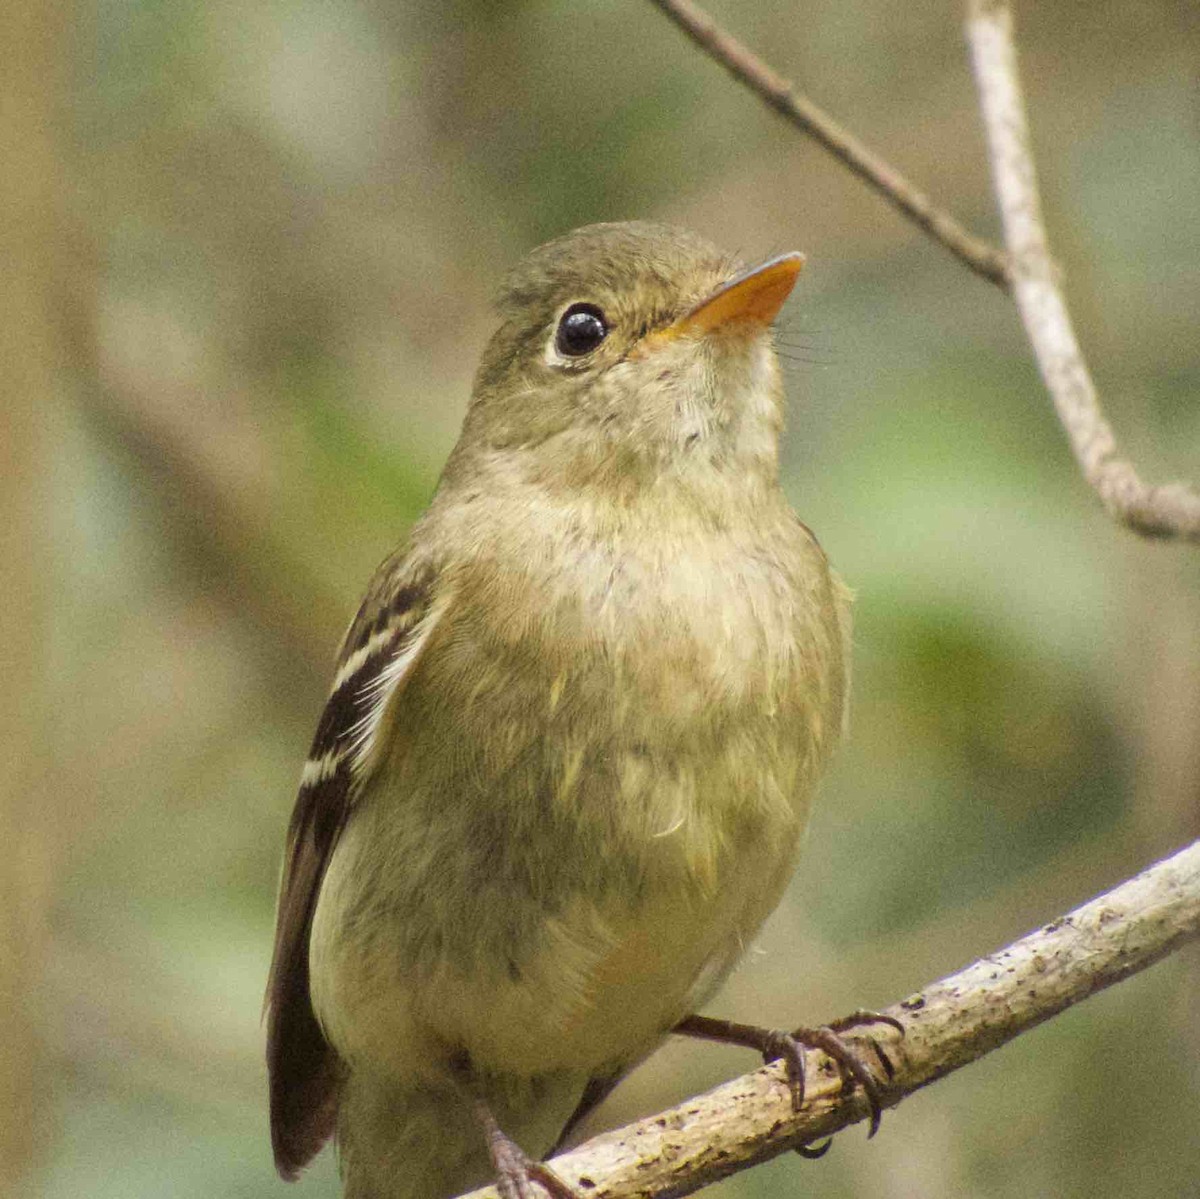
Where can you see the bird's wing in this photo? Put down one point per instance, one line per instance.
(381, 648)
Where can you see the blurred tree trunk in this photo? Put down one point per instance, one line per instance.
(31, 383)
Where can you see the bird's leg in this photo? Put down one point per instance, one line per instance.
(789, 1047)
(516, 1171)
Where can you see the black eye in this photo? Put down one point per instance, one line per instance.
(581, 330)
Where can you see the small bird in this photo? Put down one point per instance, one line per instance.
(572, 738)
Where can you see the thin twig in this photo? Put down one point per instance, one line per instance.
(1171, 510)
(779, 94)
(948, 1025)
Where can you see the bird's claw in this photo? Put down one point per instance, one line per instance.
(789, 1048)
(813, 1152)
(517, 1172)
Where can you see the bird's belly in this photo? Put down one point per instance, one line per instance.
(591, 981)
(606, 986)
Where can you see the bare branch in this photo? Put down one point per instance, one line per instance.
(1171, 510)
(779, 94)
(949, 1024)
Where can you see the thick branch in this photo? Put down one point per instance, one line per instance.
(779, 94)
(949, 1024)
(1171, 510)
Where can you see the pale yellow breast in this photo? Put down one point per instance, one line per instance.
(555, 889)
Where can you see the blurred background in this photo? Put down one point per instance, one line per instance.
(247, 253)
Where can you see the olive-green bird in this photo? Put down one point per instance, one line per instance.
(573, 736)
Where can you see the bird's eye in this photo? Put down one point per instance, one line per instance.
(581, 329)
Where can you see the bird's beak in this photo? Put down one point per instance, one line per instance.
(754, 298)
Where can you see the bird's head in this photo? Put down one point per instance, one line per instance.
(633, 352)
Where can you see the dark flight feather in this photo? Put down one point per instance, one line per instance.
(304, 1069)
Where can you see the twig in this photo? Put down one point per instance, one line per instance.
(777, 92)
(949, 1024)
(1171, 510)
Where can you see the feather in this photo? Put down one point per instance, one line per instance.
(380, 651)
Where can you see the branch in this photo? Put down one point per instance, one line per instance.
(779, 94)
(1169, 510)
(949, 1024)
(1172, 510)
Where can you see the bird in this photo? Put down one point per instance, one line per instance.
(573, 735)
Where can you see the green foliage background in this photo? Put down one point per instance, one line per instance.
(285, 223)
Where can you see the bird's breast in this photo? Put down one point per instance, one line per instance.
(599, 782)
(660, 691)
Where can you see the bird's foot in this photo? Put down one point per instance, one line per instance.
(789, 1048)
(516, 1171)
